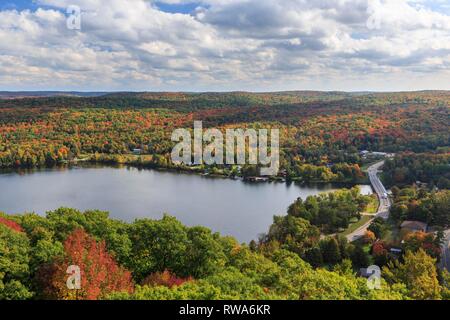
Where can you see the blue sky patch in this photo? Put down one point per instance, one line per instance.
(187, 8)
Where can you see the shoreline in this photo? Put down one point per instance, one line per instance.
(252, 180)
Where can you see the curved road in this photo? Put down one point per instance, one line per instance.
(383, 212)
(385, 203)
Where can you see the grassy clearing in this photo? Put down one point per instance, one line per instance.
(392, 235)
(356, 225)
(372, 207)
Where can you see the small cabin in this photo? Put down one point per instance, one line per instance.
(256, 179)
(379, 154)
(137, 151)
(282, 173)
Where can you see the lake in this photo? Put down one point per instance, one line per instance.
(231, 207)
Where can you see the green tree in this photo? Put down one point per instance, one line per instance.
(330, 251)
(204, 255)
(359, 257)
(314, 257)
(14, 265)
(158, 245)
(344, 268)
(295, 234)
(378, 227)
(445, 293)
(417, 272)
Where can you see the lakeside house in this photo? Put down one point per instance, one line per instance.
(257, 179)
(375, 154)
(282, 173)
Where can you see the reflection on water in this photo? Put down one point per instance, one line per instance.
(230, 207)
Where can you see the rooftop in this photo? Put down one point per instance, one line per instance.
(415, 225)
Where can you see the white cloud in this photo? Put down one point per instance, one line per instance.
(227, 45)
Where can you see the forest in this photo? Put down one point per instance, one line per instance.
(421, 205)
(410, 168)
(331, 211)
(163, 259)
(303, 254)
(321, 134)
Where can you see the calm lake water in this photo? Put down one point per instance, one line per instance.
(231, 207)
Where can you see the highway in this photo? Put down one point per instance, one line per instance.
(383, 212)
(385, 202)
(380, 190)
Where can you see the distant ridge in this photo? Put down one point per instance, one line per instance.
(177, 95)
(41, 94)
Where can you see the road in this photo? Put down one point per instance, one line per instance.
(445, 261)
(380, 190)
(385, 202)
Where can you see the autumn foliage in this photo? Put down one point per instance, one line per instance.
(421, 240)
(369, 237)
(379, 248)
(100, 274)
(320, 133)
(11, 224)
(166, 279)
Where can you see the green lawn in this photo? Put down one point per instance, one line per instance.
(356, 225)
(372, 207)
(392, 235)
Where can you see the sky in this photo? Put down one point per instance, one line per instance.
(225, 45)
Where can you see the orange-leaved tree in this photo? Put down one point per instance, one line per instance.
(166, 278)
(100, 275)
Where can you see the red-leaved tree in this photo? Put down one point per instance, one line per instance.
(379, 248)
(100, 274)
(11, 224)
